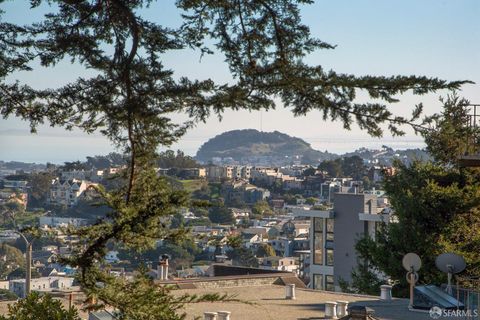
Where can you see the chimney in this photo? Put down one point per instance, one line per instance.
(162, 270)
(165, 269)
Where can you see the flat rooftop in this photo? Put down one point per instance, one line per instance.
(268, 302)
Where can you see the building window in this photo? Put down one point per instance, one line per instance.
(329, 283)
(318, 241)
(329, 242)
(329, 257)
(318, 281)
(330, 232)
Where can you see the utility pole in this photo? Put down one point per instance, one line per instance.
(28, 256)
(28, 263)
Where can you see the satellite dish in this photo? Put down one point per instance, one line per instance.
(411, 262)
(450, 263)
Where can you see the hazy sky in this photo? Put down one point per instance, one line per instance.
(429, 37)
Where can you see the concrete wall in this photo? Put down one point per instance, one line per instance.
(239, 282)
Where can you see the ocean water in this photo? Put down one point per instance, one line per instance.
(72, 147)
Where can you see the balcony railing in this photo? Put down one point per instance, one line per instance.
(472, 156)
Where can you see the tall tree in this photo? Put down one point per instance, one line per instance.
(131, 95)
(437, 206)
(332, 167)
(353, 167)
(261, 208)
(221, 214)
(40, 183)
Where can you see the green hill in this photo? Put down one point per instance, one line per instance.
(250, 143)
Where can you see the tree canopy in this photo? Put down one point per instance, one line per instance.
(221, 214)
(130, 96)
(348, 166)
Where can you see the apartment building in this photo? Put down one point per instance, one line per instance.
(334, 233)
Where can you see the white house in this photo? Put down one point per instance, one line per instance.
(43, 284)
(67, 192)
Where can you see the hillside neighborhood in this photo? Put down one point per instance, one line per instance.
(272, 218)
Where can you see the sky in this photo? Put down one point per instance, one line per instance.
(374, 37)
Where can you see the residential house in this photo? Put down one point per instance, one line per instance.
(279, 263)
(292, 183)
(249, 239)
(90, 175)
(16, 185)
(241, 214)
(67, 192)
(53, 222)
(240, 191)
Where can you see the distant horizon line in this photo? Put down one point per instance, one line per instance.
(57, 161)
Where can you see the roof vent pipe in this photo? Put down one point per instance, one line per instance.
(385, 292)
(224, 315)
(290, 291)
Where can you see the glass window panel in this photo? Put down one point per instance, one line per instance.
(330, 224)
(329, 283)
(329, 244)
(318, 248)
(318, 282)
(330, 236)
(330, 231)
(329, 257)
(318, 224)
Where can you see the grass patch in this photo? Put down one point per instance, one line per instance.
(193, 185)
